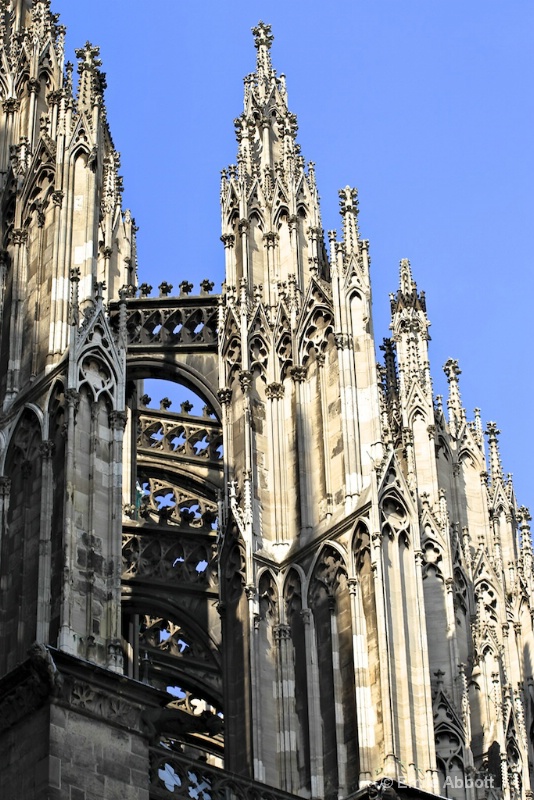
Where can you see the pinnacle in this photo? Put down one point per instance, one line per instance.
(92, 80)
(407, 284)
(454, 403)
(492, 433)
(348, 203)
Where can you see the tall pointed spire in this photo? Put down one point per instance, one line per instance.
(271, 189)
(407, 284)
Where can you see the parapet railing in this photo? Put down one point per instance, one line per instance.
(174, 775)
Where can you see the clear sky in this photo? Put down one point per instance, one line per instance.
(427, 106)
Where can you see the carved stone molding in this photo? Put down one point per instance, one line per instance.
(298, 373)
(73, 399)
(282, 633)
(20, 236)
(54, 96)
(224, 396)
(23, 699)
(245, 379)
(34, 86)
(228, 239)
(270, 238)
(274, 391)
(306, 615)
(11, 105)
(57, 198)
(343, 341)
(117, 420)
(47, 449)
(83, 696)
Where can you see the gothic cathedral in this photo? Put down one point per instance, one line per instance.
(319, 586)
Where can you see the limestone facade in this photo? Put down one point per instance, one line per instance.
(322, 584)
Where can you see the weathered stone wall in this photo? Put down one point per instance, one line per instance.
(72, 731)
(95, 761)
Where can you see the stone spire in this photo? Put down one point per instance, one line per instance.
(270, 195)
(410, 326)
(407, 284)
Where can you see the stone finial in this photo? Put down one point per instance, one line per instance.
(263, 40)
(145, 400)
(186, 407)
(439, 678)
(390, 362)
(206, 286)
(92, 82)
(262, 35)
(75, 297)
(523, 515)
(164, 289)
(165, 404)
(452, 370)
(99, 289)
(88, 55)
(348, 204)
(492, 433)
(524, 519)
(454, 402)
(145, 289)
(478, 426)
(185, 288)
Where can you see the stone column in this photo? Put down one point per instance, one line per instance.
(47, 497)
(338, 700)
(298, 373)
(288, 730)
(314, 708)
(5, 489)
(117, 422)
(67, 636)
(20, 240)
(365, 717)
(274, 393)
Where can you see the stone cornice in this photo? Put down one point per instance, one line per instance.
(51, 676)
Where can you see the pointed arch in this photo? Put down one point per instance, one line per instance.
(19, 553)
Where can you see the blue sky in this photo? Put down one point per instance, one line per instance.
(425, 105)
